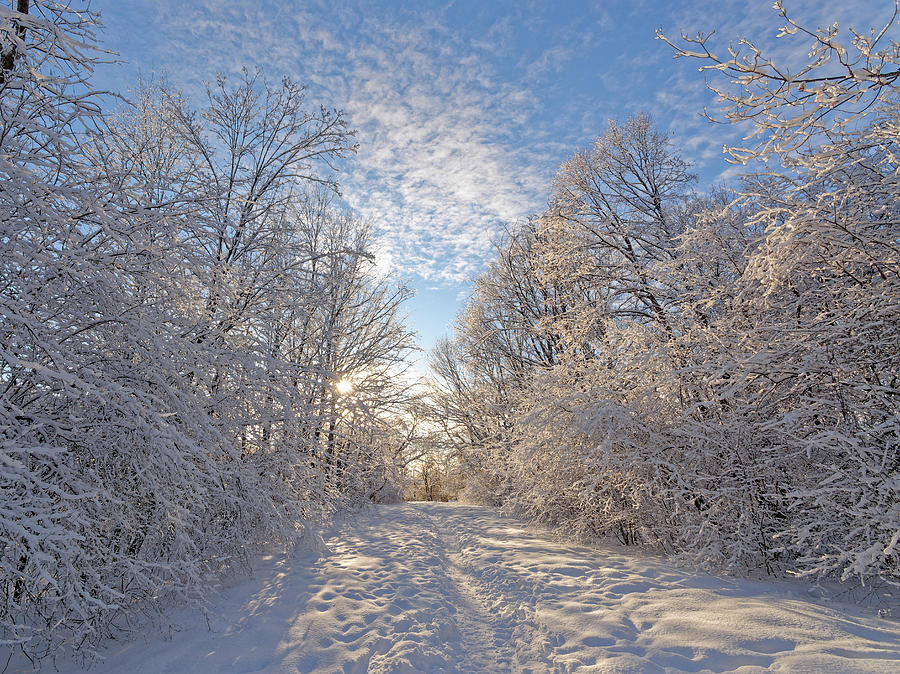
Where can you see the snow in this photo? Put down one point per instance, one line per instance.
(427, 587)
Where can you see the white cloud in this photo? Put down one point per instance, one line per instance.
(436, 174)
(463, 119)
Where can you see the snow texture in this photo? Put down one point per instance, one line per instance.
(428, 587)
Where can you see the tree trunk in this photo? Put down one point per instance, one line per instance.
(8, 59)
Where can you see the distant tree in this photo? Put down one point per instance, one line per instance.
(17, 29)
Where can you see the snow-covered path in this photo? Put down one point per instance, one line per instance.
(447, 587)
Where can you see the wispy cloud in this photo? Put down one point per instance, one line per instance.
(439, 169)
(464, 109)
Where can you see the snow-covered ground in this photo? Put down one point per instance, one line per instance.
(447, 587)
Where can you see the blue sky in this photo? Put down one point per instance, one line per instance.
(463, 109)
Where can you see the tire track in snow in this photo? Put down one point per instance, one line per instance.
(507, 603)
(483, 645)
(484, 642)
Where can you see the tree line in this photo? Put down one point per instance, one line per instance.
(712, 373)
(196, 356)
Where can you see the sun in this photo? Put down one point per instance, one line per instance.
(344, 386)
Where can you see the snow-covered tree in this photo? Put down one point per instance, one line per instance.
(815, 373)
(178, 300)
(726, 382)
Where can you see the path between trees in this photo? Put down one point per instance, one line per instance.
(427, 587)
